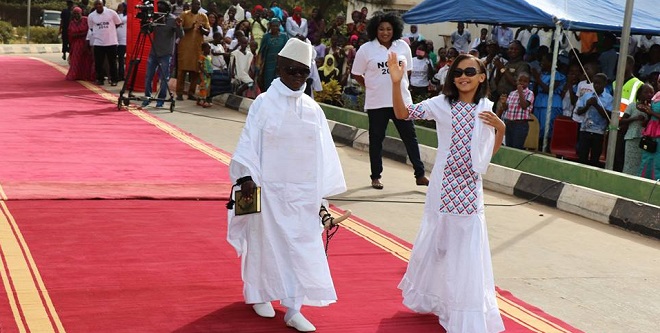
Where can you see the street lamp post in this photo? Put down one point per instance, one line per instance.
(28, 20)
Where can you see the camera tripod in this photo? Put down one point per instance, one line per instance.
(131, 74)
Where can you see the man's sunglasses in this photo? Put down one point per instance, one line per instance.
(295, 70)
(469, 72)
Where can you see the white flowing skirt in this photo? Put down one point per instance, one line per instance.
(450, 274)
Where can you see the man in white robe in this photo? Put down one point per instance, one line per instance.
(286, 148)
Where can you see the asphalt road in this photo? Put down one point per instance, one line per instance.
(595, 277)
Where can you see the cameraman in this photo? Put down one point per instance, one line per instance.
(165, 32)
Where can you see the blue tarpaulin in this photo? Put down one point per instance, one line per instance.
(592, 15)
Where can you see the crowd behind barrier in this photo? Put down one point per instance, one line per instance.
(244, 39)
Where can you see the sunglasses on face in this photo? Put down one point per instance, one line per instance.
(293, 70)
(469, 72)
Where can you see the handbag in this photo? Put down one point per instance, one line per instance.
(648, 144)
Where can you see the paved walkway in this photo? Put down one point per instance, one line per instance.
(595, 277)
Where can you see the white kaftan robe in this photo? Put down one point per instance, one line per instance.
(287, 149)
(450, 270)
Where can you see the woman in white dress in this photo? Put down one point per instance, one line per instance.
(450, 270)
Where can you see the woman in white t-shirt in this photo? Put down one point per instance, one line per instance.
(121, 41)
(215, 27)
(371, 71)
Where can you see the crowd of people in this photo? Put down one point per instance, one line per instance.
(243, 44)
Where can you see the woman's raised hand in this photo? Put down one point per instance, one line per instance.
(396, 70)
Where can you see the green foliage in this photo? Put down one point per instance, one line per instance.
(6, 32)
(15, 12)
(44, 35)
(39, 35)
(331, 93)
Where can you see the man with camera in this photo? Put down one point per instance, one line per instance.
(165, 31)
(195, 26)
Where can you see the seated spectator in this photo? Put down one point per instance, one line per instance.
(254, 91)
(329, 71)
(220, 81)
(441, 75)
(414, 35)
(358, 26)
(215, 27)
(505, 81)
(230, 21)
(338, 27)
(241, 59)
(296, 25)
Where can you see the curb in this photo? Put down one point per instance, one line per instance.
(599, 206)
(30, 48)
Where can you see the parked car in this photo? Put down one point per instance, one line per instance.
(50, 18)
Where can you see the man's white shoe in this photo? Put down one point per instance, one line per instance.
(264, 309)
(299, 322)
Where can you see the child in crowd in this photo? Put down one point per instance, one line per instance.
(517, 108)
(205, 73)
(596, 108)
(241, 60)
(542, 82)
(569, 93)
(422, 72)
(634, 120)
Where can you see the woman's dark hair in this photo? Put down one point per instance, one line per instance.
(640, 91)
(523, 50)
(247, 32)
(417, 45)
(391, 18)
(450, 90)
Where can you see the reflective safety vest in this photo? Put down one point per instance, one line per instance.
(628, 93)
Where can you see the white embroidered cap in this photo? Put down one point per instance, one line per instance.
(297, 50)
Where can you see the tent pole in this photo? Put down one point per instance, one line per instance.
(620, 72)
(551, 86)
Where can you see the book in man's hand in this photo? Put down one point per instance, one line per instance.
(244, 206)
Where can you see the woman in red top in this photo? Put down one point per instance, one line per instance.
(81, 62)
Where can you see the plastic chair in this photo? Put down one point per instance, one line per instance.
(564, 138)
(532, 140)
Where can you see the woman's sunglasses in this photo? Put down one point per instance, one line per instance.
(469, 72)
(294, 70)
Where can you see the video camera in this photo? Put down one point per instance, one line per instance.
(148, 17)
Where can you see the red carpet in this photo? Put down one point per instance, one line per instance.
(156, 265)
(162, 266)
(61, 140)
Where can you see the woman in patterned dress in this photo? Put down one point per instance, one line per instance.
(450, 271)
